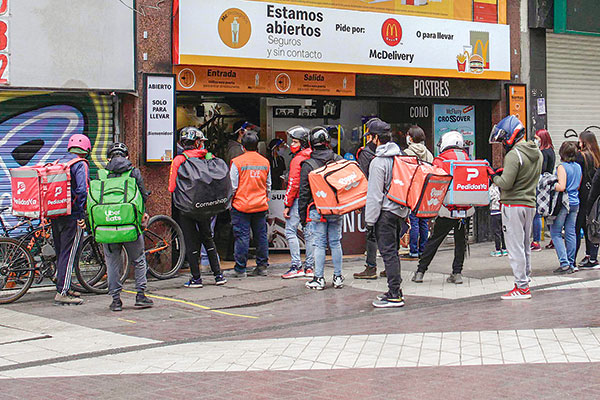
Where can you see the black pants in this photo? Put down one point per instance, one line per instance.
(197, 232)
(591, 249)
(66, 236)
(441, 229)
(497, 231)
(386, 230)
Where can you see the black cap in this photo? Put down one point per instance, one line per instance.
(379, 127)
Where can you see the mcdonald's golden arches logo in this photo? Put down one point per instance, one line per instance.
(391, 32)
(480, 42)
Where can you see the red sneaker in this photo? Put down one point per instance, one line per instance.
(535, 246)
(517, 294)
(309, 273)
(293, 273)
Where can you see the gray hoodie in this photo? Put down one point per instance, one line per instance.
(380, 178)
(419, 150)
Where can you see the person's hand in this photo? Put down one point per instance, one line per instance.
(81, 223)
(286, 213)
(371, 233)
(145, 219)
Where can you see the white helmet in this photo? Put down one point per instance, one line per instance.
(451, 139)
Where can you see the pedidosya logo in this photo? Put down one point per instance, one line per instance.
(234, 28)
(391, 32)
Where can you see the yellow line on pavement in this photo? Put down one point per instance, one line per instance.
(189, 303)
(127, 320)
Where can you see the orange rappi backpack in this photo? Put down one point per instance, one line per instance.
(418, 185)
(338, 187)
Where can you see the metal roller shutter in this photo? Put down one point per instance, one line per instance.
(573, 77)
(35, 128)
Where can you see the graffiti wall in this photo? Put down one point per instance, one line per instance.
(35, 128)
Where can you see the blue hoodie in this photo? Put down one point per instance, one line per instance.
(80, 177)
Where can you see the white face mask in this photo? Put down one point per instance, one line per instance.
(333, 142)
(537, 142)
(408, 140)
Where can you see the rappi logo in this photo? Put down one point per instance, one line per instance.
(391, 32)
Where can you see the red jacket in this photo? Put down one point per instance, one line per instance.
(178, 160)
(451, 154)
(293, 186)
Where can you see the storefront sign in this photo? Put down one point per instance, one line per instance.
(459, 118)
(319, 109)
(517, 102)
(160, 117)
(244, 80)
(4, 43)
(270, 35)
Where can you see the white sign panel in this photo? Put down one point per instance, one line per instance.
(160, 118)
(272, 35)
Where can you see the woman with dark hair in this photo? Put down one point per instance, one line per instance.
(569, 178)
(588, 157)
(544, 142)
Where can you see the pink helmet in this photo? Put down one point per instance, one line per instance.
(80, 141)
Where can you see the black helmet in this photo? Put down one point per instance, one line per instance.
(250, 141)
(117, 149)
(299, 133)
(318, 136)
(191, 134)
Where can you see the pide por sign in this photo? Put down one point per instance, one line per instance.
(290, 14)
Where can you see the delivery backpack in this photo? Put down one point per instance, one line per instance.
(203, 187)
(470, 183)
(338, 187)
(418, 185)
(115, 208)
(42, 190)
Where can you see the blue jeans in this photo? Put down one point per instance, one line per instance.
(330, 232)
(242, 223)
(419, 231)
(537, 228)
(291, 234)
(565, 249)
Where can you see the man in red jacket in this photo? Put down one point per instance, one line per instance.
(302, 151)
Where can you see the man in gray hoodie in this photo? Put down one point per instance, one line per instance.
(383, 216)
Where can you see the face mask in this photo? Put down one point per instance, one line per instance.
(282, 151)
(333, 142)
(294, 148)
(408, 140)
(537, 142)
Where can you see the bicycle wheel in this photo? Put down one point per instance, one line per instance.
(164, 247)
(17, 270)
(90, 266)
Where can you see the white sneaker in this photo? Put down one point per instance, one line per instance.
(338, 281)
(316, 283)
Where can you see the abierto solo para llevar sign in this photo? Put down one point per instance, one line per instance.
(160, 118)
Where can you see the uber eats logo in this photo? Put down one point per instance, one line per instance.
(112, 216)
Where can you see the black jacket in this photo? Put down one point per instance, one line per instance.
(548, 161)
(118, 165)
(305, 197)
(366, 155)
(588, 170)
(277, 170)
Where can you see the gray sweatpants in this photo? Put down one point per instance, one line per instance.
(517, 224)
(114, 265)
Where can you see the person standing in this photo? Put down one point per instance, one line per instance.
(517, 182)
(419, 227)
(274, 150)
(383, 216)
(234, 145)
(450, 218)
(197, 232)
(374, 126)
(544, 142)
(496, 222)
(67, 230)
(325, 229)
(301, 150)
(118, 164)
(251, 181)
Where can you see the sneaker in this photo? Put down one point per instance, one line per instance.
(383, 274)
(116, 305)
(316, 283)
(455, 278)
(293, 272)
(410, 257)
(563, 271)
(368, 273)
(141, 301)
(549, 245)
(417, 277)
(590, 265)
(535, 246)
(388, 300)
(504, 252)
(574, 268)
(584, 260)
(496, 253)
(338, 281)
(193, 283)
(66, 299)
(220, 280)
(517, 294)
(309, 272)
(73, 293)
(232, 273)
(259, 271)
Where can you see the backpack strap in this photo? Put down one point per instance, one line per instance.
(312, 163)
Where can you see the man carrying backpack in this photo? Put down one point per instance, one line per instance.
(382, 215)
(251, 181)
(119, 164)
(450, 217)
(302, 151)
(196, 230)
(67, 230)
(327, 228)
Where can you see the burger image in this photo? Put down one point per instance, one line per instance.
(476, 64)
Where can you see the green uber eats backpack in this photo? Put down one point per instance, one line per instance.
(115, 207)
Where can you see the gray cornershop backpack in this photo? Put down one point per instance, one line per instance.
(593, 223)
(203, 187)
